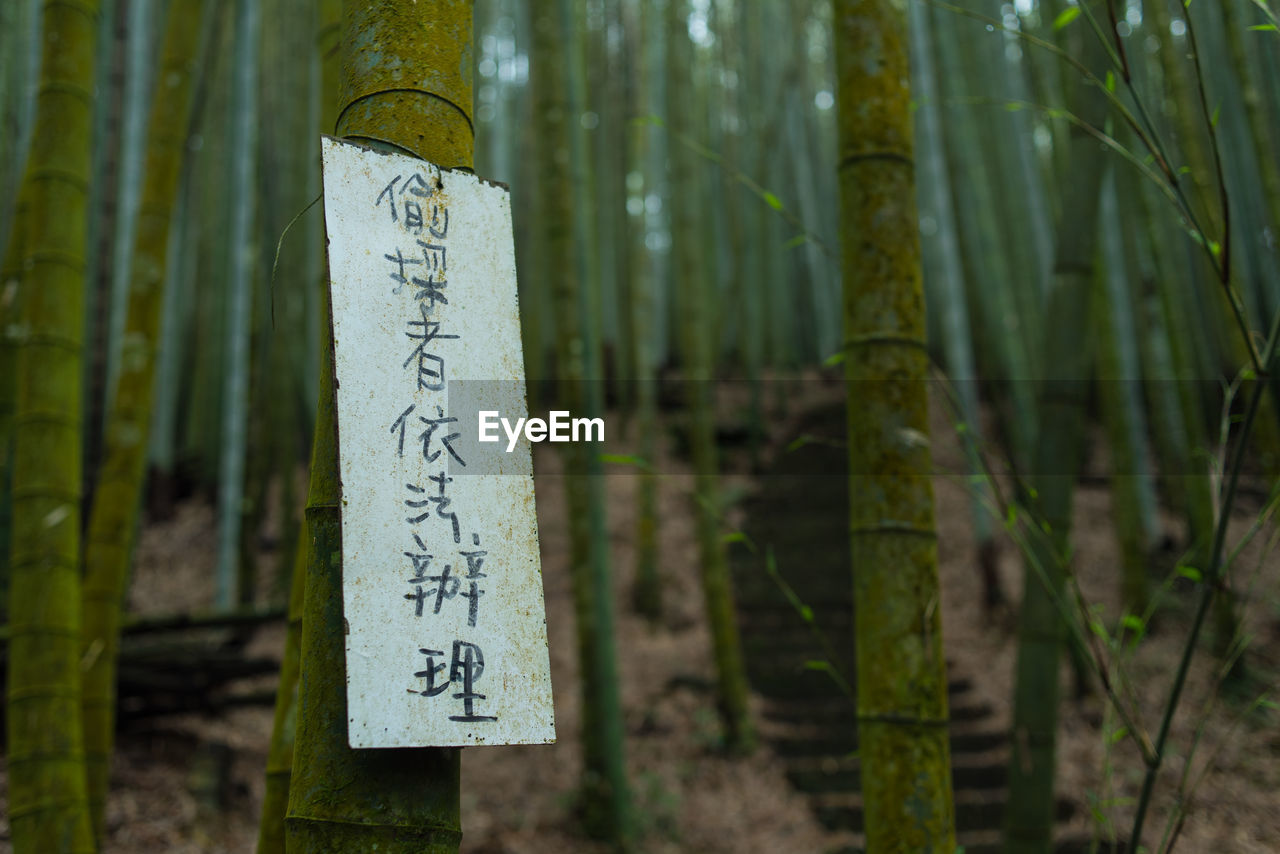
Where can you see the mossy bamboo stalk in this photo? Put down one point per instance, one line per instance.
(697, 339)
(404, 800)
(284, 726)
(901, 673)
(113, 517)
(48, 800)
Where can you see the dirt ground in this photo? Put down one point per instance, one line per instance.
(690, 798)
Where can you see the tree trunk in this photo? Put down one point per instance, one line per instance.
(647, 157)
(1061, 401)
(401, 800)
(604, 798)
(113, 517)
(697, 346)
(48, 799)
(275, 800)
(901, 674)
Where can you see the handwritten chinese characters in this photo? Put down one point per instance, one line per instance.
(442, 590)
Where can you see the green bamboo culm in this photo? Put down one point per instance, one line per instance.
(10, 311)
(647, 157)
(603, 796)
(48, 797)
(901, 674)
(275, 800)
(1061, 399)
(697, 344)
(284, 726)
(395, 801)
(233, 584)
(113, 518)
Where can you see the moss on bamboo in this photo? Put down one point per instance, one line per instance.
(396, 800)
(406, 79)
(901, 690)
(48, 802)
(114, 516)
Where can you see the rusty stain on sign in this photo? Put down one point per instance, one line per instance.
(442, 585)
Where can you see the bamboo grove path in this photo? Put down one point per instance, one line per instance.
(800, 511)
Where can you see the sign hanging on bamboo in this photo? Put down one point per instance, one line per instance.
(442, 586)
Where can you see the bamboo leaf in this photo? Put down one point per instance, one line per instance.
(1065, 17)
(772, 200)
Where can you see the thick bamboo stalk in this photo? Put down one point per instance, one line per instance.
(113, 518)
(405, 800)
(48, 800)
(901, 674)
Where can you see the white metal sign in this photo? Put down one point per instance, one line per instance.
(442, 585)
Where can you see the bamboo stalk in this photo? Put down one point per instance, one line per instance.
(235, 391)
(113, 519)
(396, 800)
(604, 796)
(901, 675)
(275, 799)
(1132, 499)
(48, 800)
(1057, 458)
(943, 269)
(692, 282)
(647, 157)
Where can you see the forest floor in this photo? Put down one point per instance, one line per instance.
(689, 796)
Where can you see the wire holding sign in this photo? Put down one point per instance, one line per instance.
(422, 276)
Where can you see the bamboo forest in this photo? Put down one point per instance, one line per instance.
(849, 426)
